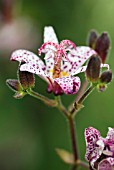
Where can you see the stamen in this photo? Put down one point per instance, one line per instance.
(42, 49)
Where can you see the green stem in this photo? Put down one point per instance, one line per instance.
(61, 107)
(71, 126)
(73, 138)
(78, 104)
(46, 100)
(87, 92)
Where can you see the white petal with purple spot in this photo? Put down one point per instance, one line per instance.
(70, 85)
(104, 165)
(92, 135)
(110, 134)
(26, 56)
(79, 56)
(32, 68)
(49, 35)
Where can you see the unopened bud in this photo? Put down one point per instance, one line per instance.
(26, 79)
(19, 95)
(13, 84)
(102, 46)
(101, 87)
(93, 69)
(92, 38)
(106, 77)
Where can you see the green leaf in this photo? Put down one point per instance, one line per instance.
(65, 156)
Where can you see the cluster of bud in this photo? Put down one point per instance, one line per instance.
(101, 45)
(93, 73)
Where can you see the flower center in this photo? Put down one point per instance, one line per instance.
(57, 75)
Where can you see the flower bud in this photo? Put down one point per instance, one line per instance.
(92, 38)
(19, 95)
(93, 69)
(65, 156)
(13, 84)
(26, 79)
(16, 86)
(101, 87)
(102, 46)
(106, 77)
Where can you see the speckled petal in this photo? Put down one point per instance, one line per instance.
(66, 67)
(97, 152)
(49, 34)
(92, 135)
(70, 85)
(104, 165)
(80, 70)
(110, 134)
(35, 69)
(49, 66)
(27, 57)
(79, 56)
(81, 53)
(111, 161)
(83, 69)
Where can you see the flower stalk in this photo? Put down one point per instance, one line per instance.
(61, 107)
(73, 137)
(47, 101)
(78, 104)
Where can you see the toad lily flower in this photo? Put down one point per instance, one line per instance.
(99, 151)
(62, 62)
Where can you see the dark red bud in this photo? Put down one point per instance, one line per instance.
(102, 46)
(26, 79)
(93, 69)
(92, 38)
(106, 77)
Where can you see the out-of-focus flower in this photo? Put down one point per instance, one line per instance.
(18, 33)
(99, 150)
(62, 62)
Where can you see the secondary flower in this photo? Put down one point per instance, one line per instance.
(62, 62)
(99, 150)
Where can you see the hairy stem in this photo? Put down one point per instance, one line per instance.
(61, 107)
(47, 101)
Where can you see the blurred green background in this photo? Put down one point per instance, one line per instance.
(29, 130)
